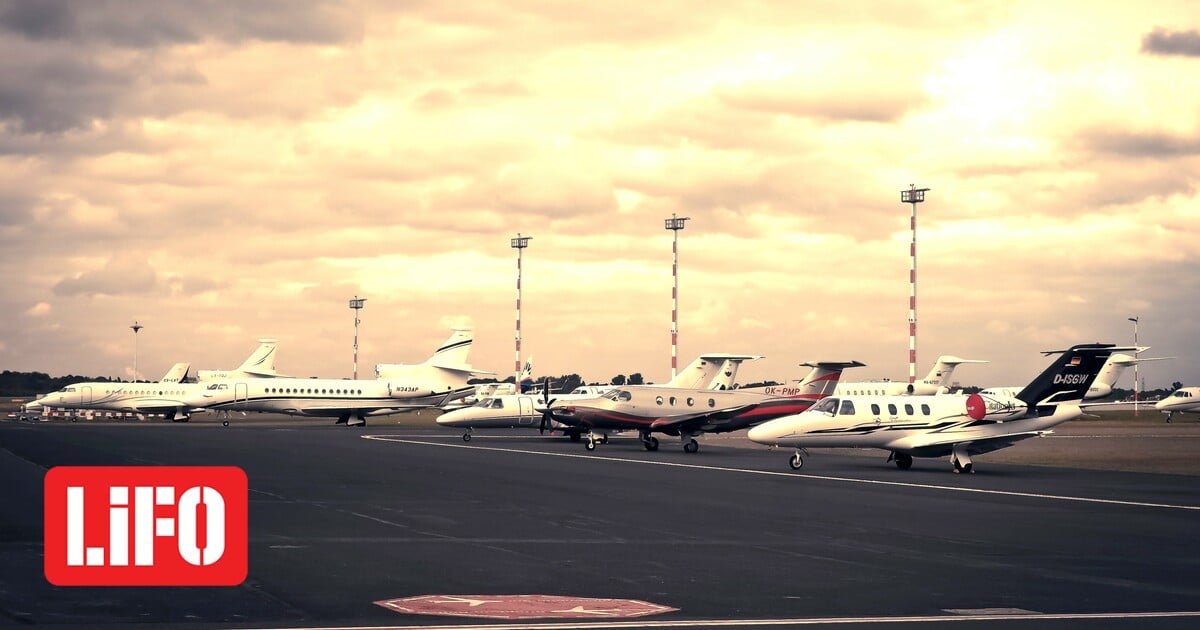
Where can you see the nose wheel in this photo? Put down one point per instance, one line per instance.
(797, 461)
(467, 436)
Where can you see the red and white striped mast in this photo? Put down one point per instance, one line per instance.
(913, 196)
(519, 243)
(675, 224)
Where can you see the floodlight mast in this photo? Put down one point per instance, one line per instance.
(913, 196)
(135, 327)
(519, 243)
(1135, 365)
(356, 304)
(675, 224)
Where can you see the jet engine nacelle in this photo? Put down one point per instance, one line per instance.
(995, 408)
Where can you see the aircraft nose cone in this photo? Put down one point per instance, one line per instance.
(763, 433)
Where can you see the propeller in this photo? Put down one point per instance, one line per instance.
(547, 417)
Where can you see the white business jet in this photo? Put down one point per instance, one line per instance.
(1184, 400)
(936, 382)
(400, 387)
(937, 426)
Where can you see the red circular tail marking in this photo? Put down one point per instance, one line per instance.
(976, 407)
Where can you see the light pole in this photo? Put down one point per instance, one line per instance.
(519, 243)
(357, 305)
(1135, 365)
(675, 224)
(913, 196)
(135, 327)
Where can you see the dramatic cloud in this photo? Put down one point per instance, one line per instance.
(221, 172)
(1164, 42)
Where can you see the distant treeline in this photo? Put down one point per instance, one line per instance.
(33, 383)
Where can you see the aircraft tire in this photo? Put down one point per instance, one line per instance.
(796, 462)
(74, 419)
(650, 444)
(574, 435)
(903, 462)
(691, 446)
(466, 437)
(224, 423)
(590, 445)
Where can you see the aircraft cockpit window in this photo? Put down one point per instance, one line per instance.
(829, 406)
(624, 396)
(69, 389)
(483, 404)
(847, 408)
(611, 395)
(497, 403)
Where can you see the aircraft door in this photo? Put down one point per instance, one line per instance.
(525, 409)
(241, 391)
(85, 395)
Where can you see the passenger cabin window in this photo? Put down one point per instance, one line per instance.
(875, 409)
(925, 409)
(908, 409)
(892, 410)
(671, 400)
(712, 403)
(691, 401)
(847, 408)
(658, 399)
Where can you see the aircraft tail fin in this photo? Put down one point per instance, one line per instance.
(261, 362)
(699, 374)
(525, 379)
(823, 379)
(726, 376)
(452, 355)
(1067, 379)
(177, 374)
(943, 369)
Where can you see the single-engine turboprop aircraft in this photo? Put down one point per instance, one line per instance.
(400, 387)
(688, 412)
(716, 371)
(1184, 400)
(937, 426)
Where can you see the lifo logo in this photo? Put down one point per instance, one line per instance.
(145, 525)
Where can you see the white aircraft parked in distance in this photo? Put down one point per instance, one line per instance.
(169, 396)
(936, 382)
(439, 379)
(1184, 400)
(937, 426)
(1103, 385)
(80, 395)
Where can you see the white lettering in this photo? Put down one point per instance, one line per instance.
(214, 526)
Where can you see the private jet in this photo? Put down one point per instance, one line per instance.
(1103, 385)
(1184, 400)
(400, 387)
(939, 426)
(936, 382)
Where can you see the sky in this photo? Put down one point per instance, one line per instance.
(221, 172)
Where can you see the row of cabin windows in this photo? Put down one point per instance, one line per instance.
(289, 390)
(830, 405)
(621, 395)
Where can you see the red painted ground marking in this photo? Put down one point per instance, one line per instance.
(523, 606)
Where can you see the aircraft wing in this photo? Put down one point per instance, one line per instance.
(714, 421)
(936, 445)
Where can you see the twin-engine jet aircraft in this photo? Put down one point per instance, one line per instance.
(937, 426)
(1184, 400)
(169, 396)
(1103, 385)
(400, 387)
(936, 382)
(688, 412)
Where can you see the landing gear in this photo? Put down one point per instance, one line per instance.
(797, 461)
(574, 436)
(691, 446)
(595, 438)
(962, 461)
(343, 419)
(590, 444)
(467, 435)
(649, 442)
(903, 461)
(224, 423)
(357, 421)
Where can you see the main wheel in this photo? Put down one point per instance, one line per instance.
(574, 436)
(796, 462)
(225, 423)
(903, 462)
(691, 446)
(650, 444)
(590, 445)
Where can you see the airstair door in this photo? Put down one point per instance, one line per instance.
(525, 409)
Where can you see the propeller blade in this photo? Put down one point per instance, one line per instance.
(547, 416)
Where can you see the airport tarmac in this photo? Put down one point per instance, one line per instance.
(342, 518)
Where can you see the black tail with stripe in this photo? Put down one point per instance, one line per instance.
(1067, 380)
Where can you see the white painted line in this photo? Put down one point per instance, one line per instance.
(749, 471)
(802, 621)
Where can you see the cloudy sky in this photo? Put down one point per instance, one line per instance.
(224, 171)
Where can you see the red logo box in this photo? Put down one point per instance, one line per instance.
(146, 525)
